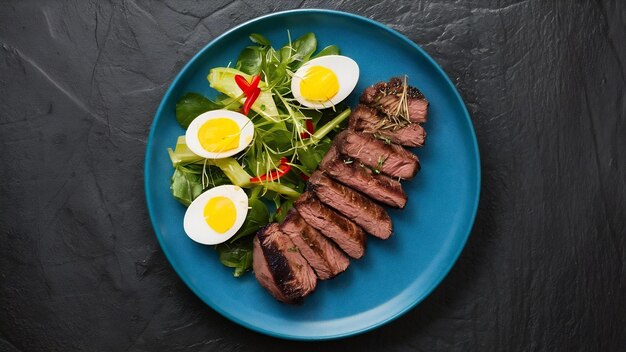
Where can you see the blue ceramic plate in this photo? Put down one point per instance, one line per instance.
(394, 275)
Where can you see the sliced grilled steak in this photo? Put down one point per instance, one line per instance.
(322, 254)
(346, 234)
(352, 204)
(263, 274)
(387, 96)
(390, 159)
(369, 120)
(379, 187)
(289, 271)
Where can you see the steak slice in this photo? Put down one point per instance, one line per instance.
(322, 254)
(387, 96)
(352, 204)
(369, 120)
(346, 234)
(379, 187)
(289, 271)
(390, 159)
(262, 272)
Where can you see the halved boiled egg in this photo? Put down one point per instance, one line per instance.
(325, 81)
(219, 134)
(216, 215)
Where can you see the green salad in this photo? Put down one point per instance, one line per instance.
(289, 139)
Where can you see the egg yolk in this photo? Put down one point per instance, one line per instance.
(319, 84)
(220, 214)
(219, 135)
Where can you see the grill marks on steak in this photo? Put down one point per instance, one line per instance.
(368, 120)
(290, 277)
(352, 174)
(390, 159)
(353, 205)
(322, 254)
(346, 234)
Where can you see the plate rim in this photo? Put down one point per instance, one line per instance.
(259, 329)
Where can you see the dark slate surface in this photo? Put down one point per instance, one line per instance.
(544, 269)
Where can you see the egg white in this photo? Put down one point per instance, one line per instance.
(346, 70)
(245, 126)
(196, 226)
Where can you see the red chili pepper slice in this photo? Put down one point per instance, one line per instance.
(310, 130)
(242, 83)
(274, 175)
(250, 100)
(250, 90)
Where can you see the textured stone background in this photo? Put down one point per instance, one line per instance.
(544, 269)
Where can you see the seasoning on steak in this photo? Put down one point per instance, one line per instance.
(322, 254)
(279, 266)
(349, 172)
(369, 120)
(352, 204)
(390, 159)
(390, 97)
(346, 234)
